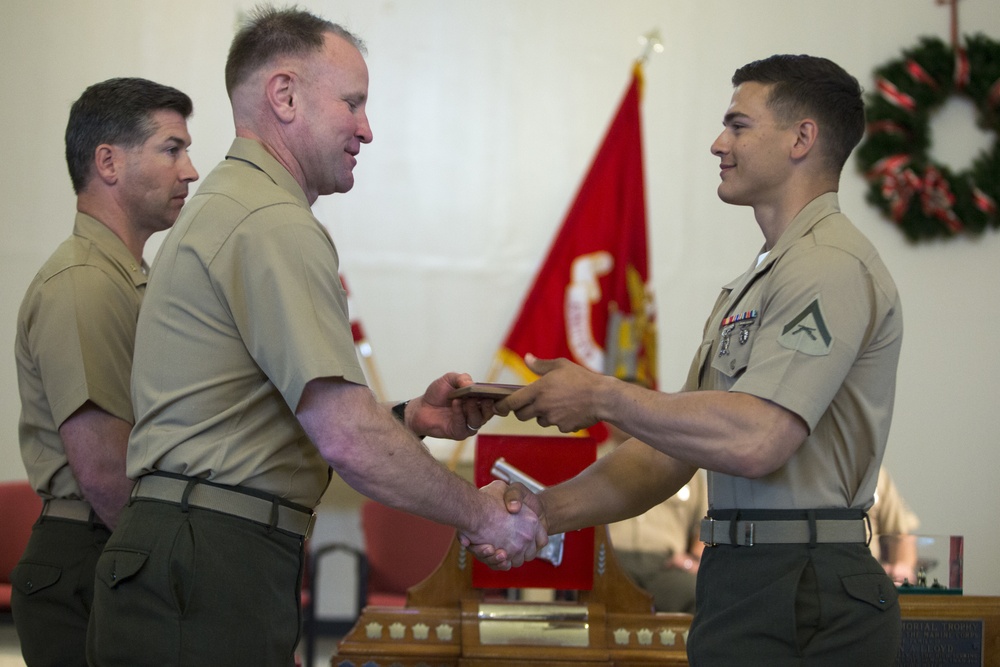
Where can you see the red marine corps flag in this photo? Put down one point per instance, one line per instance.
(591, 302)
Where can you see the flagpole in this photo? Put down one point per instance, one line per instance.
(373, 377)
(651, 43)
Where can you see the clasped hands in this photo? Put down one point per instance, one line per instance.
(561, 397)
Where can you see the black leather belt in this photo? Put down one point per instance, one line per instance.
(188, 491)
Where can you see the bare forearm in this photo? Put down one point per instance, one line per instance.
(623, 484)
(381, 459)
(389, 464)
(109, 497)
(95, 443)
(729, 432)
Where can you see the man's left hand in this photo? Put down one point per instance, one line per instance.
(438, 416)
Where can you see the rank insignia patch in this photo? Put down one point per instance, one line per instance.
(807, 332)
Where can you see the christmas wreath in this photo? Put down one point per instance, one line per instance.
(924, 198)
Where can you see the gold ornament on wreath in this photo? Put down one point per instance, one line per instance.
(924, 198)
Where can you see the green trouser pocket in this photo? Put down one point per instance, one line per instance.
(30, 578)
(117, 566)
(876, 589)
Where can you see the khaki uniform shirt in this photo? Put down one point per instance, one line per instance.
(816, 327)
(75, 335)
(890, 515)
(244, 307)
(668, 528)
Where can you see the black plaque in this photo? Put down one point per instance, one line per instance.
(941, 643)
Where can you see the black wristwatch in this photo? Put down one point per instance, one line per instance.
(399, 412)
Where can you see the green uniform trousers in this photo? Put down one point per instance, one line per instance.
(791, 604)
(53, 589)
(193, 588)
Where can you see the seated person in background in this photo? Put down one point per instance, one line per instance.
(661, 549)
(893, 523)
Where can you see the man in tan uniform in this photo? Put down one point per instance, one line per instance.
(893, 523)
(247, 388)
(126, 148)
(787, 404)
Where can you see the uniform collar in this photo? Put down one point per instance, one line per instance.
(254, 153)
(93, 230)
(810, 215)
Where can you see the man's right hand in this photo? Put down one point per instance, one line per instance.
(515, 497)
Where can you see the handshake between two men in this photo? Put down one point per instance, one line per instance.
(569, 397)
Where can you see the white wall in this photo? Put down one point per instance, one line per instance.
(485, 116)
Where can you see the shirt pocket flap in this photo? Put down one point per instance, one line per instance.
(29, 578)
(876, 589)
(115, 566)
(735, 344)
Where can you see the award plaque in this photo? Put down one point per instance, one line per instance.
(947, 630)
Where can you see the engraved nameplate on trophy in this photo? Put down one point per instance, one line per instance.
(534, 625)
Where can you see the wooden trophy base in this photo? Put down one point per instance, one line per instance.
(448, 623)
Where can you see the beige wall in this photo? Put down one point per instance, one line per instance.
(485, 116)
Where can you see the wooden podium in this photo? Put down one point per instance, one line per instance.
(446, 622)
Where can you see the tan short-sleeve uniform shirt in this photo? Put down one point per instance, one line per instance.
(815, 327)
(74, 342)
(244, 307)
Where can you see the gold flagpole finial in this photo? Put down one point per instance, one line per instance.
(650, 42)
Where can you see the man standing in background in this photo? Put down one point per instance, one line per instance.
(247, 386)
(126, 149)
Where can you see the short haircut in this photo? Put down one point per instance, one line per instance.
(269, 33)
(117, 112)
(818, 88)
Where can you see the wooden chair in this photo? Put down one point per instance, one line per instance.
(400, 550)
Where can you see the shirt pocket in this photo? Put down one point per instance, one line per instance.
(735, 343)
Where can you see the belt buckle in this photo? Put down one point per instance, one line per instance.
(711, 533)
(748, 534)
(310, 526)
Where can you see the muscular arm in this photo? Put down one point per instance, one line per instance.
(730, 432)
(624, 483)
(381, 459)
(95, 444)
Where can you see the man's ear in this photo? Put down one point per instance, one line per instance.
(107, 163)
(282, 95)
(806, 136)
